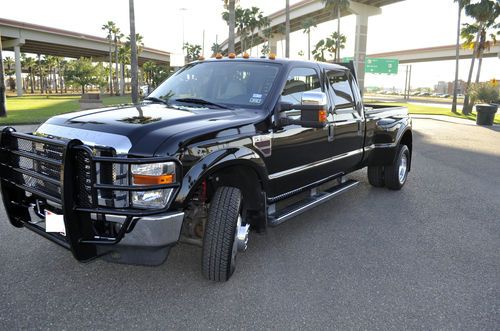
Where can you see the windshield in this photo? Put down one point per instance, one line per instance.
(230, 83)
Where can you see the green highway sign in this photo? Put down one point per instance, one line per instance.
(378, 66)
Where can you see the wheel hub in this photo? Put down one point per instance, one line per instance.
(403, 168)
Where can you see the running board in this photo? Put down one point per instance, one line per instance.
(280, 216)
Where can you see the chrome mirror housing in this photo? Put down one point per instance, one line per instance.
(314, 99)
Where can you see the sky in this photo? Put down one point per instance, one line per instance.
(406, 25)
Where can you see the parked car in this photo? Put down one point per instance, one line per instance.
(221, 147)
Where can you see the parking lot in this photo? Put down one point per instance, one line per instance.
(427, 257)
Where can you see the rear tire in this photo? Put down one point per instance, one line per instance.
(376, 176)
(397, 173)
(219, 255)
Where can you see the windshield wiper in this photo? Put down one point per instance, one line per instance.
(202, 102)
(155, 99)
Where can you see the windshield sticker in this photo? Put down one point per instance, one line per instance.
(258, 96)
(257, 101)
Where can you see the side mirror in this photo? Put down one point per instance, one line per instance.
(313, 110)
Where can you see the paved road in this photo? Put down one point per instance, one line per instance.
(427, 257)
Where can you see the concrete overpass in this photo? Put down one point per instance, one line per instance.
(440, 53)
(316, 10)
(37, 39)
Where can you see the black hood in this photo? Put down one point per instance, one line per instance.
(146, 126)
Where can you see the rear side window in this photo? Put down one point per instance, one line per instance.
(342, 92)
(300, 80)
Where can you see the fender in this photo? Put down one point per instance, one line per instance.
(237, 156)
(388, 136)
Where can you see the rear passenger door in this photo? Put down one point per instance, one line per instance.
(348, 118)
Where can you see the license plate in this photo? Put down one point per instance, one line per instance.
(54, 223)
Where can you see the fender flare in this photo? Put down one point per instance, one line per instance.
(241, 156)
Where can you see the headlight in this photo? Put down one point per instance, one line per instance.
(152, 174)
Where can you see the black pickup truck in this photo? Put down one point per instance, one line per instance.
(221, 147)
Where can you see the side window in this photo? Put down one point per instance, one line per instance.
(342, 93)
(300, 80)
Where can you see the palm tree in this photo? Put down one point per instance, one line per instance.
(287, 28)
(337, 6)
(461, 5)
(124, 58)
(133, 55)
(329, 45)
(256, 20)
(3, 109)
(485, 13)
(117, 36)
(307, 24)
(109, 27)
(8, 64)
(230, 5)
(29, 63)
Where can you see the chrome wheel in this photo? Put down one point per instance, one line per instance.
(240, 238)
(403, 168)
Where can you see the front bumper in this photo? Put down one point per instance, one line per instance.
(66, 177)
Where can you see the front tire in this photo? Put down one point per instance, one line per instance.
(397, 173)
(220, 242)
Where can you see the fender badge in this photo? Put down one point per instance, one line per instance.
(263, 144)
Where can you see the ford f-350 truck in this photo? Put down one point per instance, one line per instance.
(221, 147)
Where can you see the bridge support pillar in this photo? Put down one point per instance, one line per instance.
(362, 13)
(19, 77)
(273, 42)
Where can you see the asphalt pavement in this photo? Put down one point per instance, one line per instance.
(426, 257)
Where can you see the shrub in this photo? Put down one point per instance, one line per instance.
(483, 92)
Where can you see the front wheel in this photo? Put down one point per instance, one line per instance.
(396, 174)
(225, 234)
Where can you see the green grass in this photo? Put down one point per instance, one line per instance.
(430, 110)
(36, 109)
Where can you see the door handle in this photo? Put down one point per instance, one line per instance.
(360, 128)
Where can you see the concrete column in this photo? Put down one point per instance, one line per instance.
(19, 78)
(362, 13)
(273, 42)
(360, 48)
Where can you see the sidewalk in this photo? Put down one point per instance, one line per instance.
(450, 119)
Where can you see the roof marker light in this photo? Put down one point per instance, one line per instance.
(231, 55)
(218, 56)
(201, 58)
(246, 55)
(272, 56)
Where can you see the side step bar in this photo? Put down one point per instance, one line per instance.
(280, 216)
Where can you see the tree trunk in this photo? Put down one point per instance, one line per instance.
(55, 80)
(467, 109)
(32, 81)
(457, 60)
(110, 67)
(122, 78)
(337, 42)
(117, 91)
(480, 52)
(83, 89)
(133, 55)
(287, 28)
(309, 45)
(232, 23)
(3, 108)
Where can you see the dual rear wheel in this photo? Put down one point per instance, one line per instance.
(392, 176)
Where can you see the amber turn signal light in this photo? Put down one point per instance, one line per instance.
(322, 116)
(153, 180)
